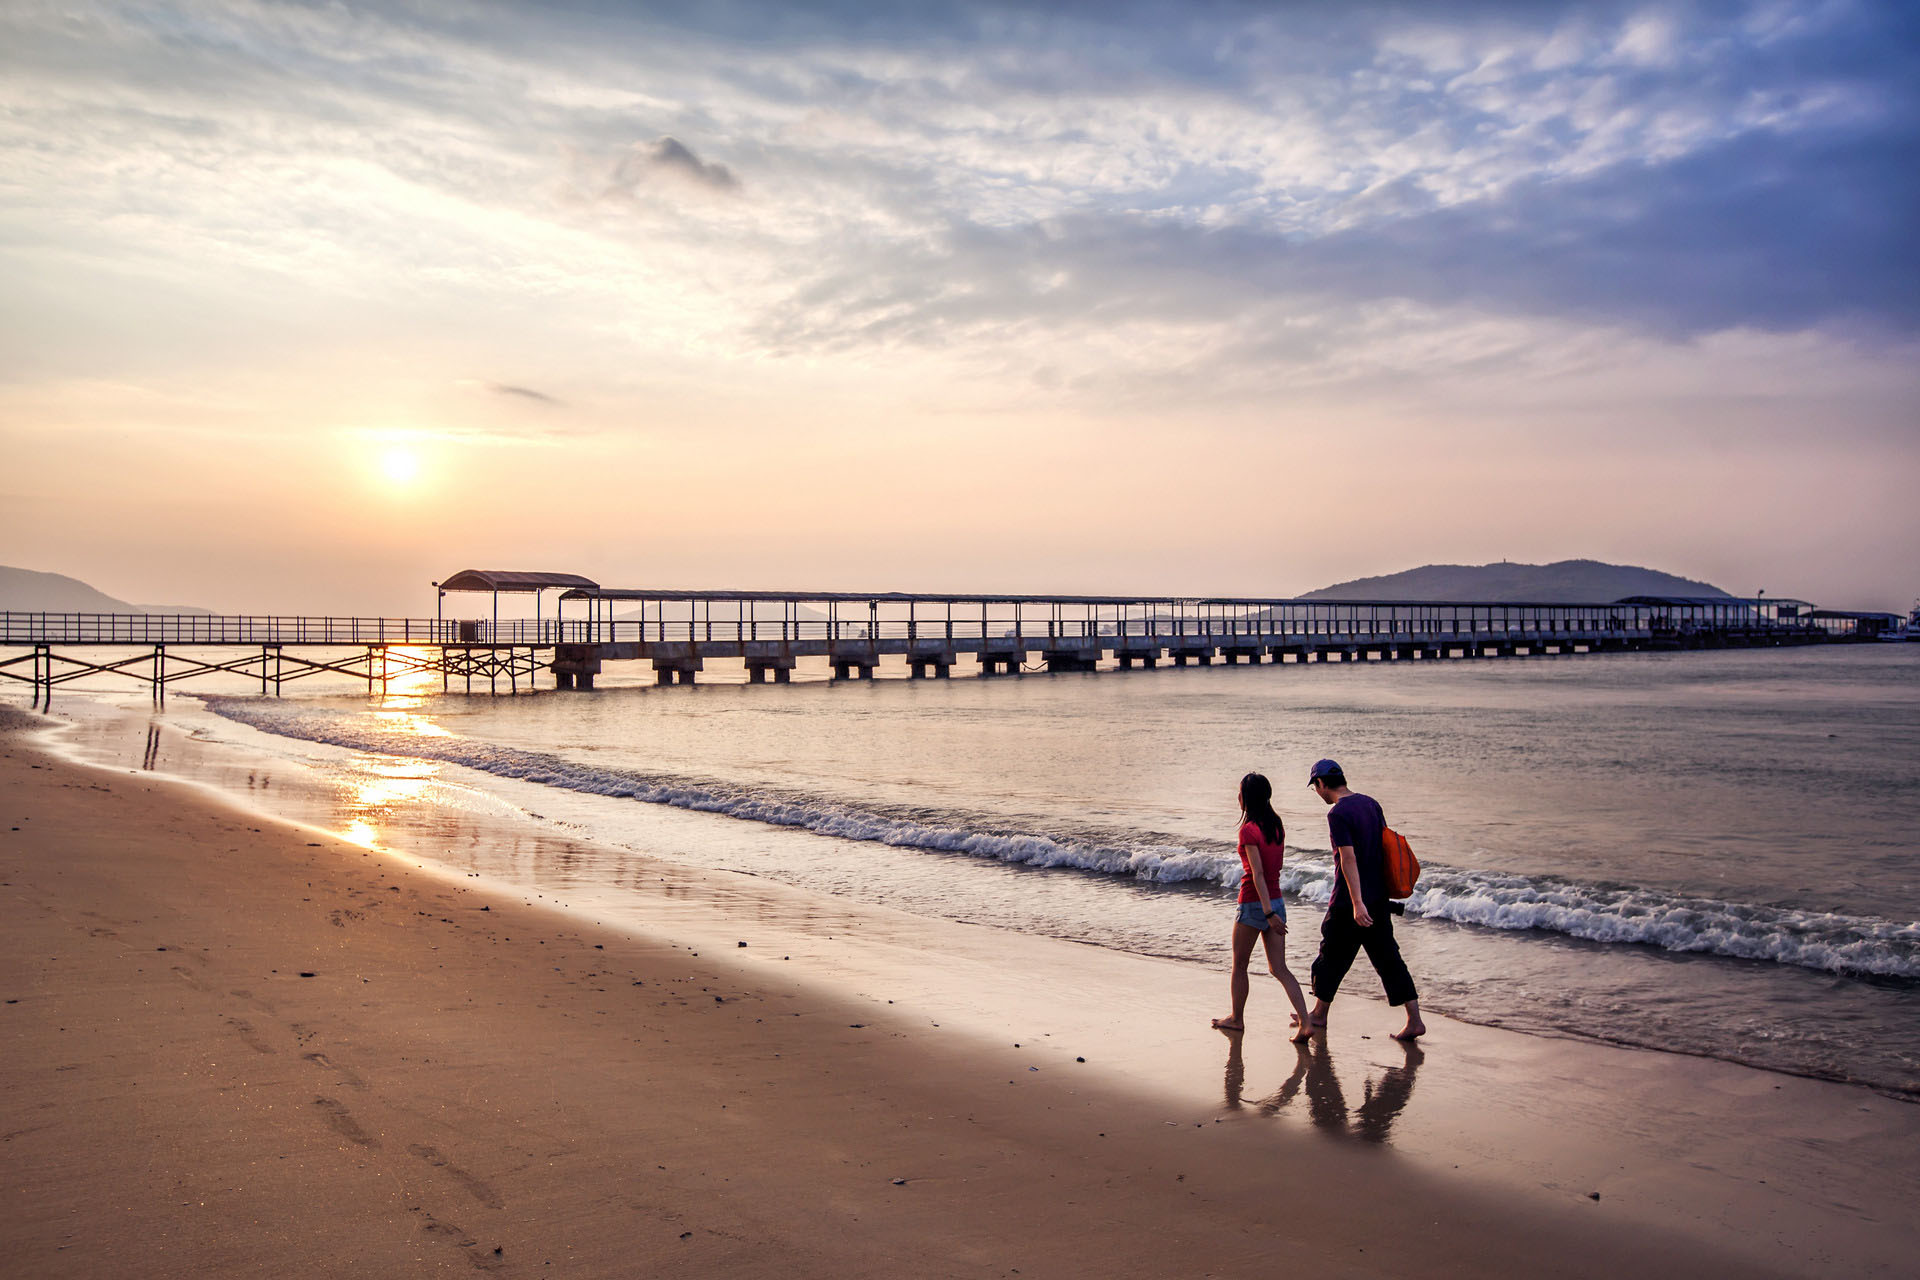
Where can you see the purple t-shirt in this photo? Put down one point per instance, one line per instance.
(1357, 820)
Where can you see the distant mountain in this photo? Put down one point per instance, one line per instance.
(1571, 581)
(29, 591)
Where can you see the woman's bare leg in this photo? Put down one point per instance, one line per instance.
(1243, 936)
(1276, 939)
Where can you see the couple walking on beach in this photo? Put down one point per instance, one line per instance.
(1358, 917)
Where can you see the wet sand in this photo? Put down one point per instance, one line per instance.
(236, 1046)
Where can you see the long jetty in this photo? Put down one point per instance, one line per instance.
(677, 632)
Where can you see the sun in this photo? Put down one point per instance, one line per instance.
(401, 467)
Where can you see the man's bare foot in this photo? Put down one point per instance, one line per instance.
(1229, 1024)
(1411, 1032)
(1316, 1024)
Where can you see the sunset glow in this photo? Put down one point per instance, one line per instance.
(401, 467)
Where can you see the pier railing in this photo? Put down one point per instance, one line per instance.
(738, 618)
(214, 629)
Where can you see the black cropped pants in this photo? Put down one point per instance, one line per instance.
(1341, 940)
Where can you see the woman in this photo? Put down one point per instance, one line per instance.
(1260, 912)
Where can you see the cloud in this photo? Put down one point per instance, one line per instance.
(1763, 231)
(524, 393)
(950, 178)
(667, 158)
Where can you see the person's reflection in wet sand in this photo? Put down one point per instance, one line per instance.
(1236, 1073)
(1385, 1097)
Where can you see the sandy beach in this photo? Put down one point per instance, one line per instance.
(236, 1046)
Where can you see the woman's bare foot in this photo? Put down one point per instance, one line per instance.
(1229, 1024)
(1303, 1030)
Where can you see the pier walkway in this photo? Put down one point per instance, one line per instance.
(677, 632)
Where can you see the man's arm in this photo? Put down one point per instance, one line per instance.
(1350, 872)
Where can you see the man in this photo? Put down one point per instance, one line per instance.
(1359, 915)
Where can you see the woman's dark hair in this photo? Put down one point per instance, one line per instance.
(1256, 801)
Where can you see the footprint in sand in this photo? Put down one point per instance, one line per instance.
(348, 1076)
(342, 1122)
(246, 1032)
(478, 1256)
(473, 1186)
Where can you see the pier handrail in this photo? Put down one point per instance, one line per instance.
(845, 618)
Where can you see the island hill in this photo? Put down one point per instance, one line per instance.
(31, 591)
(1562, 582)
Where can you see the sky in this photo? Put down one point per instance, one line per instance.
(309, 306)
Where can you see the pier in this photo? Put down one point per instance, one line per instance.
(676, 633)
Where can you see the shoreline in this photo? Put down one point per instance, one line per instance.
(1468, 948)
(1140, 1169)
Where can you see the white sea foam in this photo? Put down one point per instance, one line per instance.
(1814, 940)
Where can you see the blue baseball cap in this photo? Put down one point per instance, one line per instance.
(1321, 768)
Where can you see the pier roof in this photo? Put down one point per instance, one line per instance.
(1715, 600)
(513, 580)
(913, 597)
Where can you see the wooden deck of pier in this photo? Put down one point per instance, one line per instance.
(677, 632)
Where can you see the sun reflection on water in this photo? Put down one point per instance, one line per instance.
(378, 787)
(398, 719)
(407, 673)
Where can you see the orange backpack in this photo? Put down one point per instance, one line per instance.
(1400, 868)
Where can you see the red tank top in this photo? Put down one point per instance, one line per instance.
(1270, 859)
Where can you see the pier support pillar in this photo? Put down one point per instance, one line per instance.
(759, 667)
(937, 663)
(574, 665)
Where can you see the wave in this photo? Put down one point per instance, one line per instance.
(1840, 944)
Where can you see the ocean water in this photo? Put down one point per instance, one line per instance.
(1707, 853)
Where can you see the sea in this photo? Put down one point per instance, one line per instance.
(1709, 853)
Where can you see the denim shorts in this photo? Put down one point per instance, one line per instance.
(1251, 915)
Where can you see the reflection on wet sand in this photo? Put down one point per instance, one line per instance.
(1383, 1097)
(379, 785)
